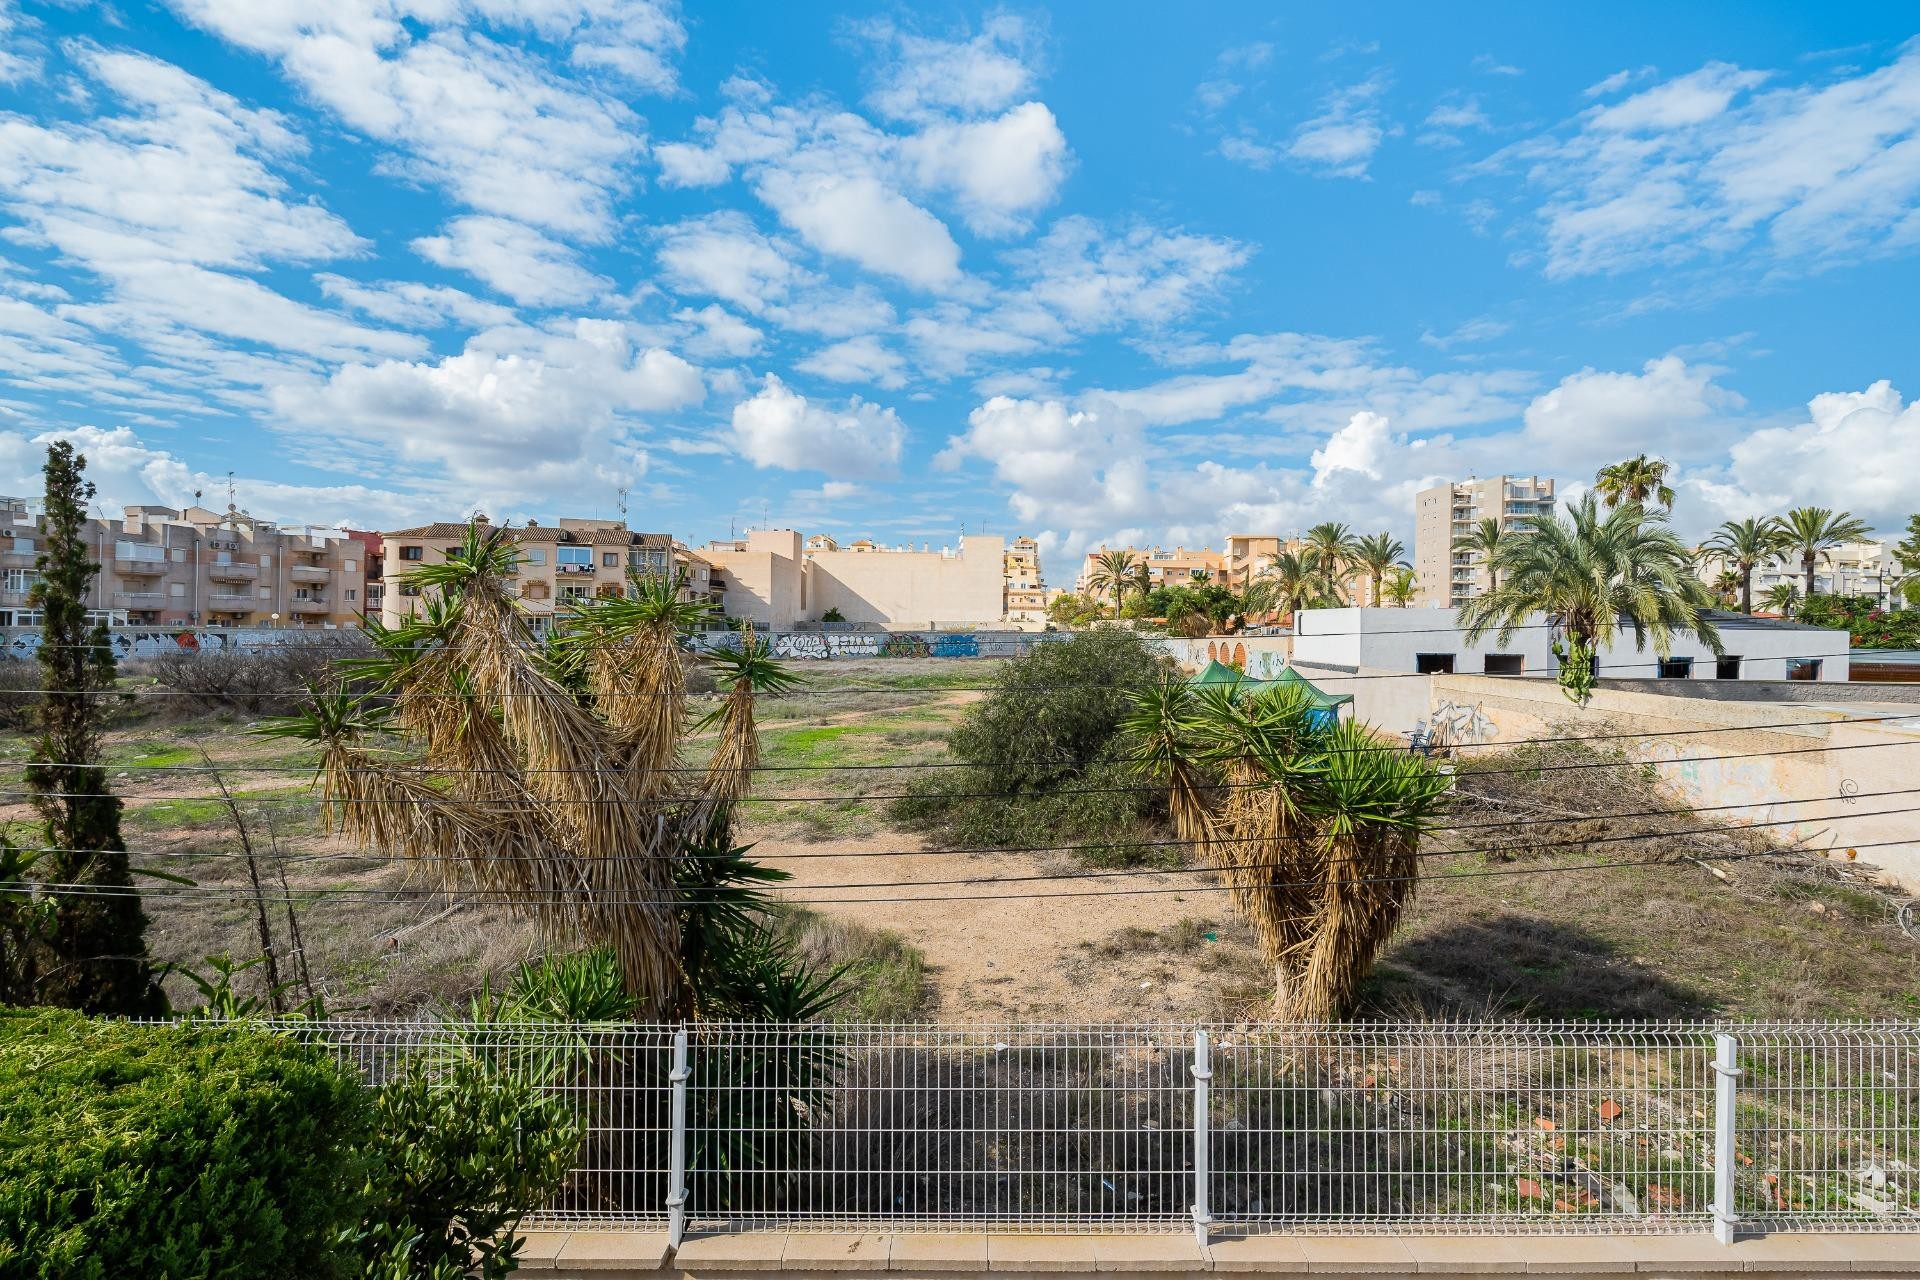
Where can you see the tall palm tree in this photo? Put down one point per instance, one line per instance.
(1726, 585)
(1486, 538)
(1377, 553)
(1811, 532)
(1590, 574)
(1330, 548)
(1113, 572)
(1287, 583)
(1781, 597)
(1401, 586)
(1637, 479)
(1745, 545)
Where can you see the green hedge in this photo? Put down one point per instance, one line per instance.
(189, 1151)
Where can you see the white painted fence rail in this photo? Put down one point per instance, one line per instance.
(1493, 1127)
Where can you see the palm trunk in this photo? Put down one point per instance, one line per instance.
(1746, 590)
(1806, 563)
(1375, 601)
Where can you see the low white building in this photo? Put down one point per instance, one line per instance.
(1383, 651)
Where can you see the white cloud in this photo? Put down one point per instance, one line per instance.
(1360, 447)
(860, 359)
(410, 303)
(1593, 417)
(126, 471)
(1483, 329)
(1248, 150)
(1858, 451)
(724, 255)
(918, 77)
(526, 413)
(495, 125)
(1616, 82)
(19, 56)
(778, 427)
(858, 218)
(1447, 121)
(1000, 171)
(720, 332)
(1341, 140)
(1711, 164)
(1091, 279)
(512, 259)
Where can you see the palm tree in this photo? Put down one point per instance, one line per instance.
(1377, 553)
(1330, 550)
(1287, 583)
(1113, 572)
(1811, 532)
(1726, 585)
(1401, 586)
(1485, 539)
(1637, 479)
(1781, 597)
(1745, 545)
(550, 775)
(1591, 574)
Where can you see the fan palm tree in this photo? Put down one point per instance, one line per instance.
(550, 776)
(1745, 545)
(1726, 585)
(1590, 574)
(1329, 548)
(1401, 586)
(1377, 553)
(1637, 479)
(1485, 538)
(1781, 597)
(1811, 532)
(1114, 572)
(1287, 583)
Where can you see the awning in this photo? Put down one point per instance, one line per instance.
(1320, 697)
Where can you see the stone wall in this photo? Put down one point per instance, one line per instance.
(150, 642)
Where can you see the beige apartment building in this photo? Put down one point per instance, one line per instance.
(777, 579)
(1026, 590)
(1248, 555)
(558, 565)
(163, 567)
(1853, 569)
(1178, 567)
(1446, 515)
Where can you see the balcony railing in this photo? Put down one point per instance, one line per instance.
(234, 572)
(228, 602)
(139, 568)
(138, 599)
(309, 573)
(307, 608)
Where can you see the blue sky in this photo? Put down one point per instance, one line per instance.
(1091, 272)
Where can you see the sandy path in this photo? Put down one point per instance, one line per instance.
(1009, 956)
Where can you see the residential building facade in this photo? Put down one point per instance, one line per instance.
(777, 579)
(1248, 555)
(559, 565)
(164, 567)
(1445, 516)
(1175, 567)
(1855, 569)
(1026, 591)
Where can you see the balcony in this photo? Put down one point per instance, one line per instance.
(139, 568)
(234, 572)
(306, 608)
(139, 600)
(225, 602)
(19, 559)
(309, 573)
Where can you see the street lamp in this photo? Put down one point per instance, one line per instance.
(275, 619)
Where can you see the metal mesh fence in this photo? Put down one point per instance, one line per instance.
(1454, 1128)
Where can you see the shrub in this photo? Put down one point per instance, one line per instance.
(267, 681)
(1867, 624)
(19, 685)
(1044, 756)
(189, 1151)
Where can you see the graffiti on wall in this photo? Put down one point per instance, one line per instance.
(135, 642)
(1455, 723)
(1259, 658)
(820, 646)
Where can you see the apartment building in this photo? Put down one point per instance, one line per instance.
(1446, 515)
(1178, 567)
(196, 568)
(1853, 569)
(776, 579)
(559, 565)
(1248, 555)
(1026, 591)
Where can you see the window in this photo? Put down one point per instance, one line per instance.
(1803, 668)
(582, 556)
(351, 566)
(352, 594)
(534, 555)
(266, 562)
(610, 559)
(1428, 664)
(1674, 669)
(1727, 668)
(20, 579)
(576, 593)
(413, 553)
(1505, 664)
(176, 589)
(22, 547)
(124, 550)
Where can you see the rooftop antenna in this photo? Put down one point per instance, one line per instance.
(230, 493)
(623, 503)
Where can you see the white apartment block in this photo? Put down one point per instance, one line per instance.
(163, 567)
(1166, 567)
(776, 579)
(1854, 569)
(1445, 515)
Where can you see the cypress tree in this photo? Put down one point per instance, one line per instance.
(96, 945)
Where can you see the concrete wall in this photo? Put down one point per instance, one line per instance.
(1394, 639)
(762, 580)
(150, 642)
(1821, 779)
(1260, 657)
(910, 589)
(895, 644)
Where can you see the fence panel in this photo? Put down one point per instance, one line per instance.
(1828, 1129)
(1394, 1128)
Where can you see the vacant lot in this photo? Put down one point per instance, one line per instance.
(969, 935)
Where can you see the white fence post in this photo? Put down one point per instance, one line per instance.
(1726, 1074)
(1202, 1073)
(677, 1142)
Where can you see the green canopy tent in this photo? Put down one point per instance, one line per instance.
(1217, 672)
(1326, 705)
